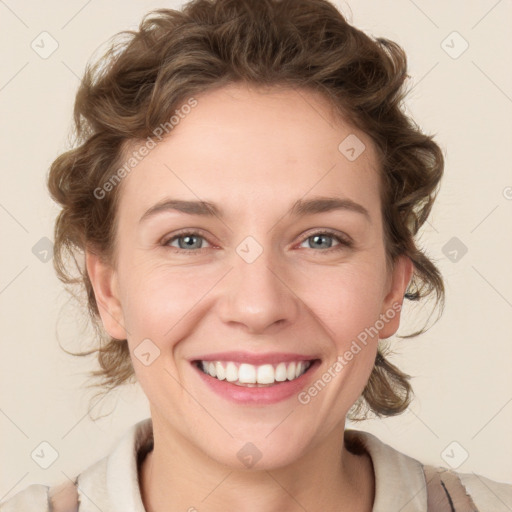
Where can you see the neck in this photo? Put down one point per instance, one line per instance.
(175, 477)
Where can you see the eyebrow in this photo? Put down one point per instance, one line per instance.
(300, 208)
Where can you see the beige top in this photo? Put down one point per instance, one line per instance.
(111, 484)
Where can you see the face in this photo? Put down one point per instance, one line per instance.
(283, 271)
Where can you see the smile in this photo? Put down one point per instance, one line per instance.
(244, 374)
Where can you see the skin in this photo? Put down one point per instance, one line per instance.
(253, 152)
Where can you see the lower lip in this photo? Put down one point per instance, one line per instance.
(264, 395)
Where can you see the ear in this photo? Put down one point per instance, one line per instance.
(391, 307)
(104, 282)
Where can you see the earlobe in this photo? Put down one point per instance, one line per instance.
(392, 305)
(104, 282)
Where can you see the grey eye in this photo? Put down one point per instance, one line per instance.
(187, 241)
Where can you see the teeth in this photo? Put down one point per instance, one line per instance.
(231, 372)
(251, 375)
(246, 374)
(220, 370)
(280, 372)
(266, 374)
(290, 371)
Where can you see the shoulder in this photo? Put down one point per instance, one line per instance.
(111, 483)
(404, 483)
(41, 498)
(486, 493)
(449, 490)
(33, 498)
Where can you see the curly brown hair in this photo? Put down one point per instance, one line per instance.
(146, 75)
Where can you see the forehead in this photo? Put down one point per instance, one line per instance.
(246, 146)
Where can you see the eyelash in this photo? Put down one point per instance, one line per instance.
(343, 243)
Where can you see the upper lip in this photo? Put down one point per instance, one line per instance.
(255, 359)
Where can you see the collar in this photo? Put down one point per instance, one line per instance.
(112, 483)
(399, 480)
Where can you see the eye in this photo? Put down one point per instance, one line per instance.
(323, 240)
(188, 241)
(193, 241)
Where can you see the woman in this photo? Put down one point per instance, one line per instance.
(246, 190)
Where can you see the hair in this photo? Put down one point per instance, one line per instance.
(145, 75)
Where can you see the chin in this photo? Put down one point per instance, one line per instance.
(256, 449)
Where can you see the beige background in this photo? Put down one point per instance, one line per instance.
(462, 366)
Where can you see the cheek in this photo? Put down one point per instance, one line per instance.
(160, 306)
(159, 301)
(347, 300)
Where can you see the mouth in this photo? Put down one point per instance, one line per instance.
(255, 379)
(251, 375)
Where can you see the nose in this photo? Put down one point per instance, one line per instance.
(258, 296)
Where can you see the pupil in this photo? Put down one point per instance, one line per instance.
(189, 240)
(318, 238)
